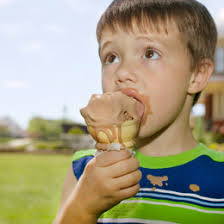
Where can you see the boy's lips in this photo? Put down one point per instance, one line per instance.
(131, 92)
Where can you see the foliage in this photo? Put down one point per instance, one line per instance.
(4, 132)
(31, 187)
(45, 129)
(219, 137)
(209, 138)
(5, 139)
(216, 146)
(48, 145)
(76, 131)
(199, 129)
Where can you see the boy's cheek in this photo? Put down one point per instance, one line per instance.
(107, 87)
(108, 82)
(153, 125)
(165, 107)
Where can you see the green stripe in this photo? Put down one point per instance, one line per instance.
(164, 161)
(82, 153)
(178, 159)
(163, 212)
(179, 203)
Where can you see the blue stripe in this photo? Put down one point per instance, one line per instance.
(183, 196)
(202, 171)
(178, 198)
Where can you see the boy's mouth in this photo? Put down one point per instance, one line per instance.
(131, 92)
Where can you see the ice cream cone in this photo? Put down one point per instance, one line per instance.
(124, 134)
(113, 120)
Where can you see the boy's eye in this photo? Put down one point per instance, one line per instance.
(111, 59)
(151, 54)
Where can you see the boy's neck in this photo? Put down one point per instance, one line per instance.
(174, 139)
(162, 146)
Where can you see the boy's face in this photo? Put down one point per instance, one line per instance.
(155, 64)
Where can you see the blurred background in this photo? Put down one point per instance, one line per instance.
(49, 68)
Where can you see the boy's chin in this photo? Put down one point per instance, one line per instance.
(148, 134)
(144, 135)
(146, 131)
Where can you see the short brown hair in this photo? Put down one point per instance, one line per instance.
(195, 24)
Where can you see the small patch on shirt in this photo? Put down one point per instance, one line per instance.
(157, 181)
(194, 187)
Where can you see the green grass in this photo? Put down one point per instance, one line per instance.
(30, 187)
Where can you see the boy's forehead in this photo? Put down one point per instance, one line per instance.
(160, 32)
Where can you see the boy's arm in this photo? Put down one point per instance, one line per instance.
(106, 180)
(67, 190)
(68, 187)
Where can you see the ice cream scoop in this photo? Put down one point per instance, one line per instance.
(113, 119)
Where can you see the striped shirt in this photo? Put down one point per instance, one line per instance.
(183, 188)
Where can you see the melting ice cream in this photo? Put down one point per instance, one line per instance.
(112, 117)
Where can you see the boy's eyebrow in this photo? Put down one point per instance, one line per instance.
(144, 38)
(151, 40)
(106, 43)
(102, 46)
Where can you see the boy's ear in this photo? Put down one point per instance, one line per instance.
(200, 76)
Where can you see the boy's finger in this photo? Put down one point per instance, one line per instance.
(110, 157)
(128, 180)
(124, 167)
(128, 192)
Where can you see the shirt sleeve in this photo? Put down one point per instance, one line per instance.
(80, 160)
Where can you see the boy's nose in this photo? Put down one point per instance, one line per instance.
(125, 75)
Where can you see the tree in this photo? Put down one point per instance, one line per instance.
(45, 129)
(4, 131)
(76, 131)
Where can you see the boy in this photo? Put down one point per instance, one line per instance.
(163, 50)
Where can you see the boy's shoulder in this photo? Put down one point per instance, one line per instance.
(215, 155)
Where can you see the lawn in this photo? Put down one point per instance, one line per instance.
(30, 187)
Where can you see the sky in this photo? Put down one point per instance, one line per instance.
(49, 64)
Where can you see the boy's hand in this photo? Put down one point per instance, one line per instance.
(107, 179)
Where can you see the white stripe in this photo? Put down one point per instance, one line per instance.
(128, 220)
(180, 199)
(183, 194)
(172, 205)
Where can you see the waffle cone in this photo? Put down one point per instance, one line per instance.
(123, 134)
